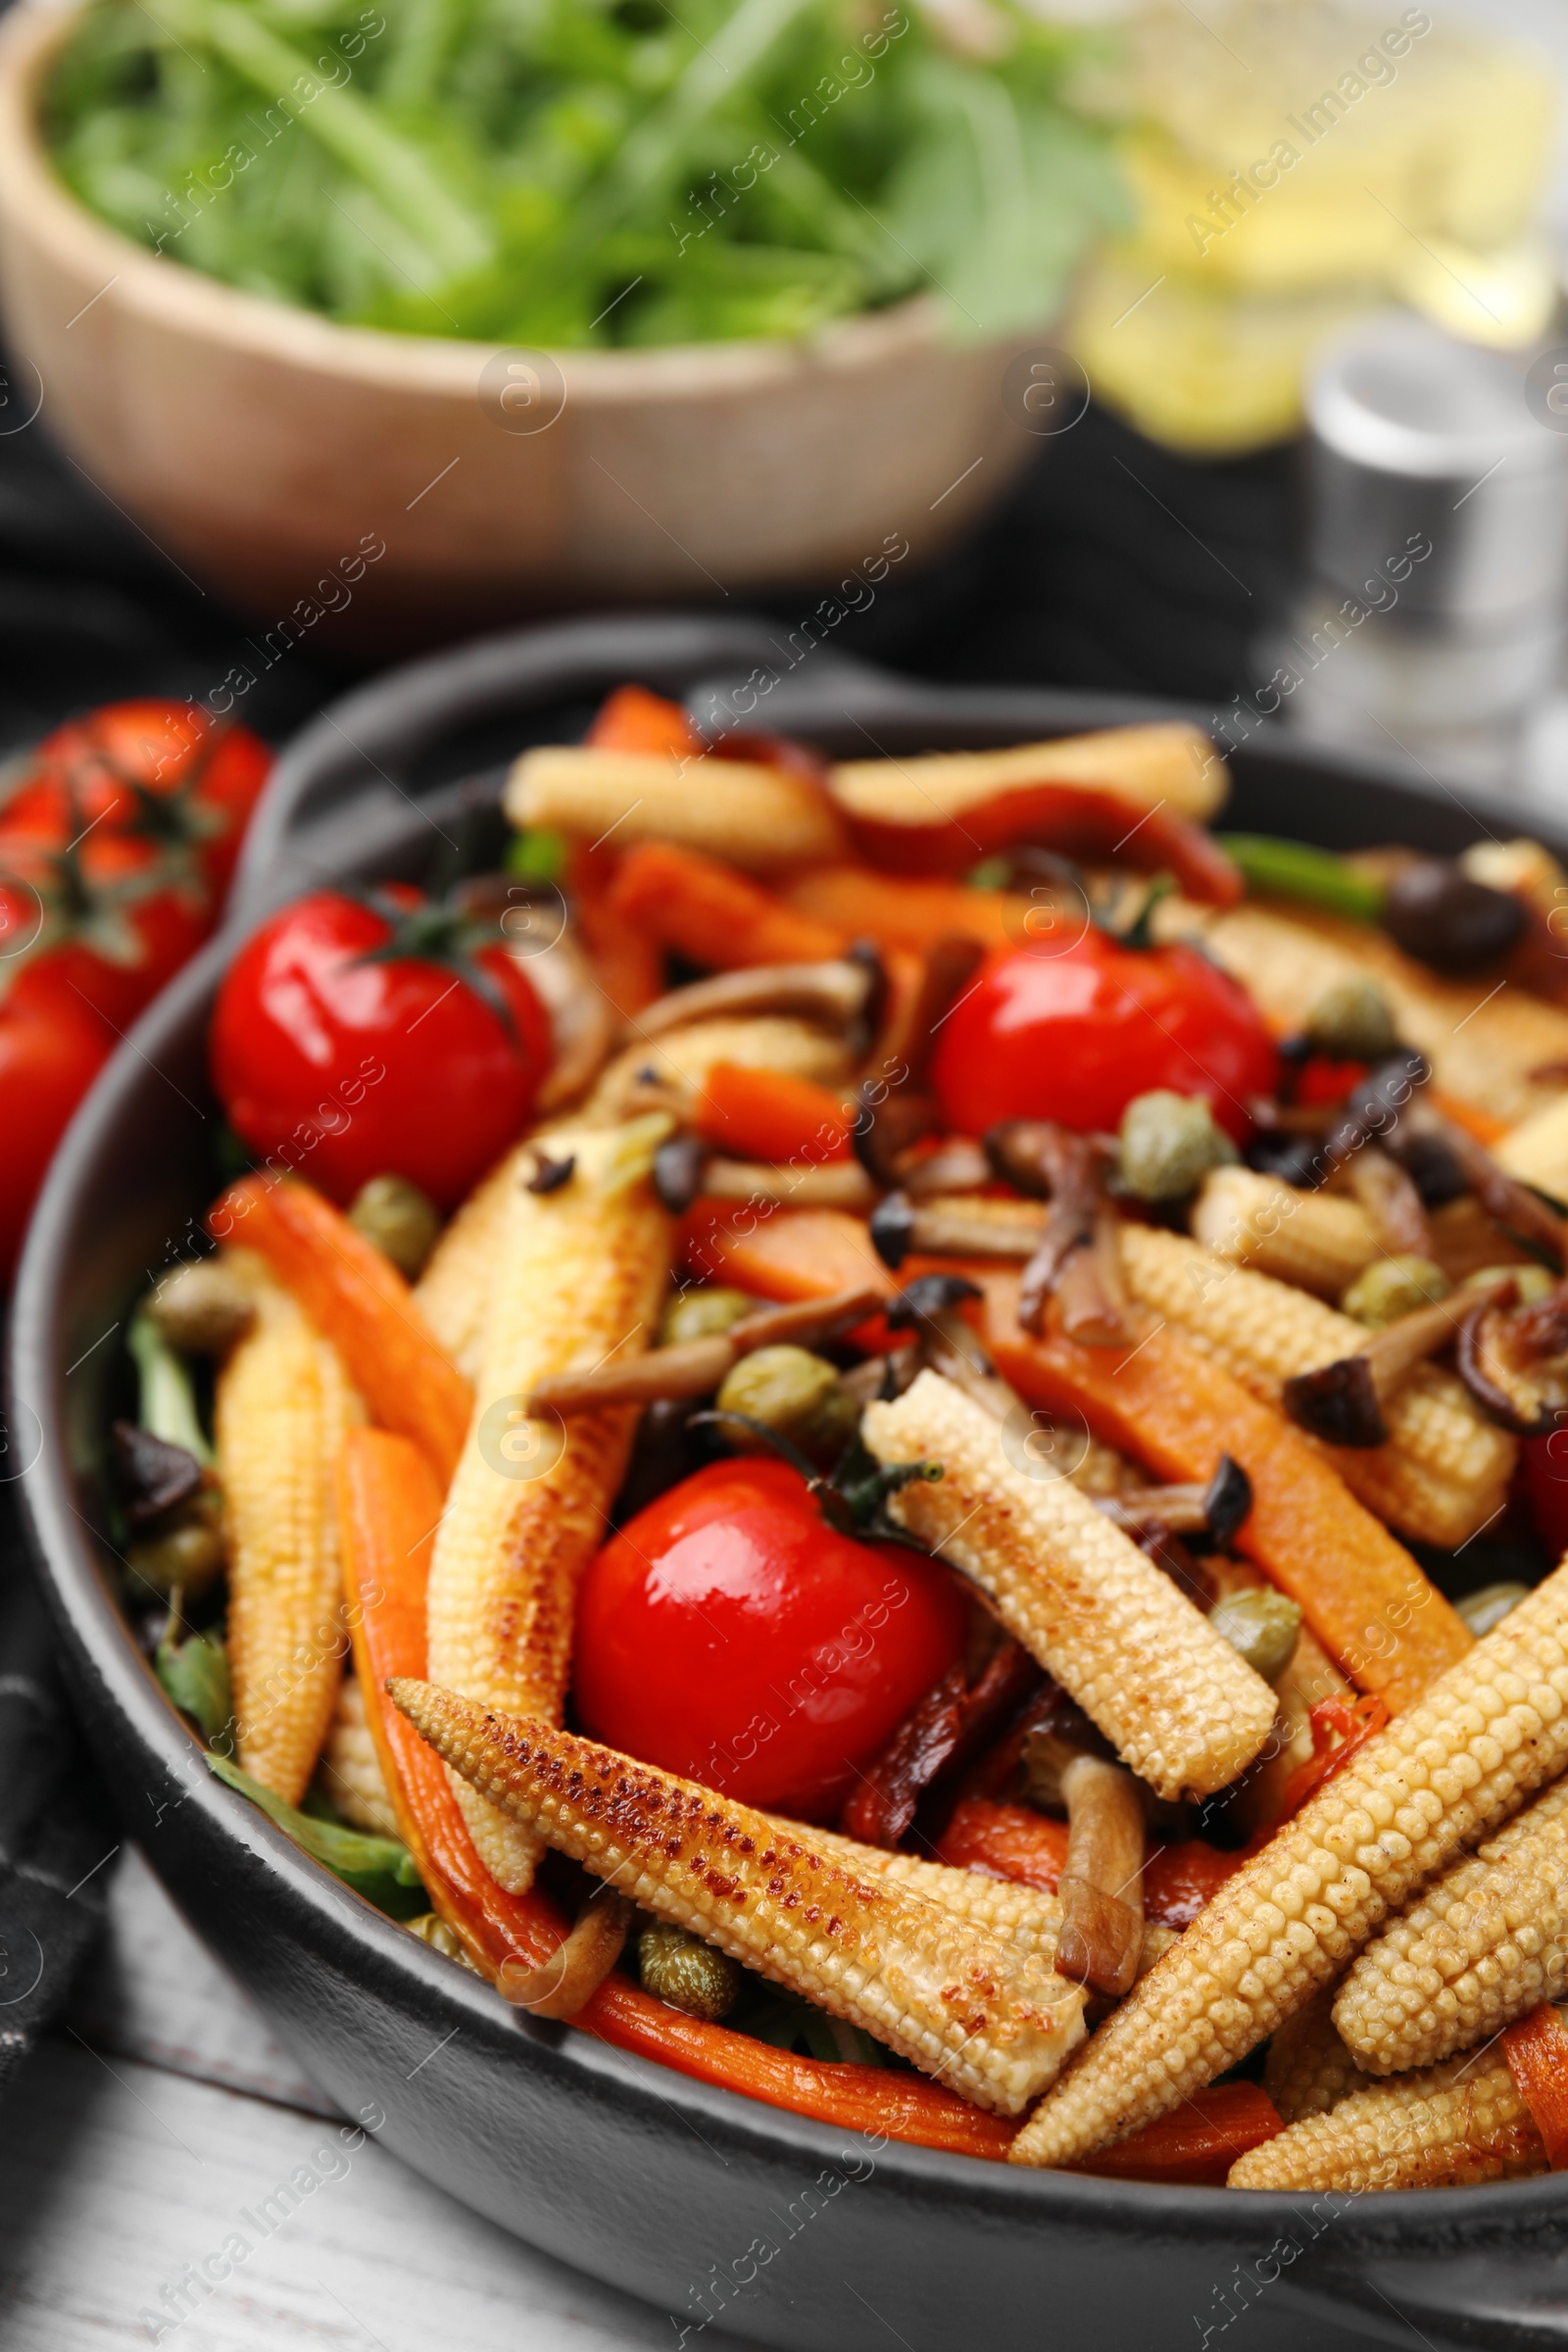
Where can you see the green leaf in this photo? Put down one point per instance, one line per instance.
(168, 1398)
(195, 1675)
(537, 854)
(1292, 869)
(379, 1868)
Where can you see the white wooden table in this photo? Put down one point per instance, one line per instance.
(162, 2112)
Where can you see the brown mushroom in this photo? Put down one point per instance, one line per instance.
(1512, 1358)
(895, 1110)
(834, 1184)
(1216, 1510)
(844, 992)
(932, 1308)
(1392, 1201)
(1102, 1884)
(954, 1226)
(696, 1367)
(562, 1984)
(1342, 1402)
(1078, 1254)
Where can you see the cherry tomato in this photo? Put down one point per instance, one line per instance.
(728, 1633)
(1544, 1479)
(356, 1043)
(50, 1052)
(1074, 1037)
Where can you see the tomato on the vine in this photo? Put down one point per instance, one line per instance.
(729, 1633)
(1074, 1037)
(379, 1036)
(50, 1052)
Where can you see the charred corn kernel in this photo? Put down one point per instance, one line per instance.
(1026, 1918)
(1170, 1694)
(756, 818)
(1485, 1044)
(1169, 1144)
(1444, 2128)
(202, 1309)
(1352, 1019)
(679, 1061)
(993, 2024)
(1489, 1731)
(1483, 1610)
(1168, 763)
(703, 1314)
(351, 1770)
(579, 1275)
(1314, 1239)
(1481, 1946)
(402, 1222)
(684, 1973)
(453, 1292)
(794, 1393)
(1392, 1287)
(1309, 2068)
(282, 1405)
(1444, 1471)
(1261, 1626)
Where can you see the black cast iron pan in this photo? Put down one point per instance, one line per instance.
(728, 2215)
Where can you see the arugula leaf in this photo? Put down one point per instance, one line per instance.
(168, 1396)
(379, 1868)
(195, 1675)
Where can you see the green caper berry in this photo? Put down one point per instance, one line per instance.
(1261, 1626)
(431, 1929)
(1533, 1283)
(1483, 1610)
(686, 1973)
(796, 1393)
(201, 1308)
(701, 1315)
(1352, 1020)
(1392, 1287)
(189, 1555)
(402, 1221)
(1169, 1144)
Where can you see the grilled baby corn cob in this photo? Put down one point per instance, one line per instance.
(755, 817)
(1445, 1470)
(1488, 1731)
(992, 2022)
(283, 1402)
(1169, 1692)
(1444, 2128)
(1485, 1944)
(1169, 764)
(580, 1273)
(351, 1770)
(1314, 1239)
(1309, 2068)
(452, 1294)
(679, 1061)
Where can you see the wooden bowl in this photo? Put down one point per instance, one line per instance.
(271, 451)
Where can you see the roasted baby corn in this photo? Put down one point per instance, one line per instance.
(350, 1768)
(1444, 1471)
(1489, 1731)
(283, 1402)
(992, 2022)
(580, 1274)
(1169, 762)
(1444, 2128)
(756, 818)
(1309, 2068)
(1315, 1239)
(1481, 1946)
(1172, 1697)
(452, 1294)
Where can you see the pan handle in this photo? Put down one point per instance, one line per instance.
(1513, 2297)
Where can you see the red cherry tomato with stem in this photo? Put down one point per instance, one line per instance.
(396, 1038)
(50, 1052)
(728, 1634)
(1075, 1036)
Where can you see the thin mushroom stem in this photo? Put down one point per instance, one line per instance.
(1392, 1201)
(697, 1367)
(954, 1226)
(574, 1971)
(837, 992)
(1101, 1885)
(838, 1184)
(1342, 1402)
(1090, 1290)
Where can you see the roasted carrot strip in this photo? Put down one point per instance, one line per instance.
(768, 1115)
(1477, 1122)
(1362, 1593)
(1355, 1721)
(627, 964)
(858, 902)
(707, 911)
(1195, 2146)
(1537, 2051)
(631, 720)
(356, 1298)
(1010, 1842)
(389, 1502)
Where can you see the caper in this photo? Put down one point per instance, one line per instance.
(431, 1929)
(701, 1315)
(1261, 1626)
(1533, 1283)
(201, 1308)
(189, 1555)
(796, 1393)
(1352, 1019)
(685, 1973)
(402, 1221)
(1483, 1610)
(1169, 1144)
(1392, 1287)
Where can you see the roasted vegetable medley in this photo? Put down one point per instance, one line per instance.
(893, 1433)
